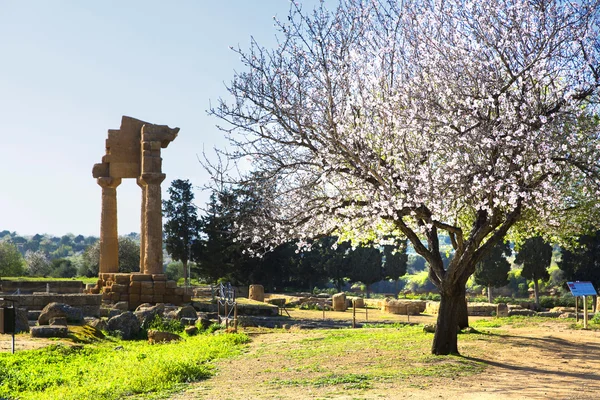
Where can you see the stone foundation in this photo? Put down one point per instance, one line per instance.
(137, 288)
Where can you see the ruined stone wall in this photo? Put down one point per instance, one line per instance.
(90, 304)
(28, 287)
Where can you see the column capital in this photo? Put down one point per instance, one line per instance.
(108, 182)
(151, 178)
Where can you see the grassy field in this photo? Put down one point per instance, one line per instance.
(49, 279)
(112, 369)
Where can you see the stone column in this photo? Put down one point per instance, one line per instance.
(109, 236)
(142, 223)
(153, 259)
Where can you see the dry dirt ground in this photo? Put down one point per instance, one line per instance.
(548, 361)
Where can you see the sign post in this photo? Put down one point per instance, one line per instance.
(582, 289)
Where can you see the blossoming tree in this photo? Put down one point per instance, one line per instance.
(414, 117)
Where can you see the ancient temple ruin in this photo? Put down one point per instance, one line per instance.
(133, 151)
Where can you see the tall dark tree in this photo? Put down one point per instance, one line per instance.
(535, 255)
(365, 266)
(214, 253)
(396, 261)
(492, 271)
(182, 226)
(582, 263)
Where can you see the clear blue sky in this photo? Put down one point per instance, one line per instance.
(70, 69)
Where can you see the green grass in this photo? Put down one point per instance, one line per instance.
(112, 369)
(381, 354)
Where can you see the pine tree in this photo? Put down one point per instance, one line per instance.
(182, 227)
(535, 255)
(493, 270)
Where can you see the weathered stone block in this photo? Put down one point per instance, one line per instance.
(187, 298)
(126, 324)
(179, 291)
(501, 310)
(106, 296)
(134, 298)
(46, 331)
(147, 291)
(159, 277)
(161, 285)
(257, 293)
(124, 298)
(338, 301)
(171, 284)
(147, 298)
(141, 277)
(114, 296)
(119, 288)
(158, 298)
(60, 321)
(147, 285)
(123, 279)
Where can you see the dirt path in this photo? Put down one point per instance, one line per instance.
(546, 362)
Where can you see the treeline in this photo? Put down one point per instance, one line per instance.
(60, 257)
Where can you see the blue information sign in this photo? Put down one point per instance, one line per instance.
(582, 289)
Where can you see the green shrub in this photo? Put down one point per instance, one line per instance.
(166, 325)
(109, 370)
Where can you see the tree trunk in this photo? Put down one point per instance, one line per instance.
(445, 339)
(463, 312)
(396, 288)
(536, 292)
(489, 293)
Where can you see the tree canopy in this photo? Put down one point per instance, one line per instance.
(11, 261)
(415, 117)
(582, 263)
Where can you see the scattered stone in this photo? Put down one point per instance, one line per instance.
(98, 323)
(188, 321)
(430, 328)
(403, 307)
(191, 330)
(256, 293)
(46, 331)
(187, 312)
(122, 305)
(162, 337)
(338, 302)
(524, 312)
(146, 314)
(549, 314)
(61, 321)
(357, 302)
(127, 325)
(119, 348)
(501, 310)
(72, 314)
